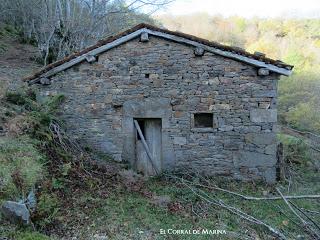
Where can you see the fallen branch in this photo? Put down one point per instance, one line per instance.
(291, 208)
(280, 209)
(234, 210)
(250, 197)
(312, 147)
(310, 211)
(300, 132)
(306, 225)
(304, 214)
(259, 198)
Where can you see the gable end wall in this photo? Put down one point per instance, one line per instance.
(166, 80)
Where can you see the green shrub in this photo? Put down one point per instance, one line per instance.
(47, 208)
(299, 101)
(31, 236)
(22, 97)
(21, 166)
(295, 149)
(16, 98)
(3, 46)
(305, 116)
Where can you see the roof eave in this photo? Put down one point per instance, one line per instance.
(168, 36)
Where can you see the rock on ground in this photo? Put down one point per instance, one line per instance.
(16, 212)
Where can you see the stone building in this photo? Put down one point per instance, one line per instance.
(199, 105)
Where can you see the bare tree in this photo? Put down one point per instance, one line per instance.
(60, 27)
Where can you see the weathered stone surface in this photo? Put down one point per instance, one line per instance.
(263, 72)
(254, 159)
(221, 106)
(16, 212)
(264, 93)
(270, 149)
(269, 175)
(261, 138)
(179, 140)
(214, 81)
(226, 128)
(164, 80)
(45, 81)
(198, 51)
(263, 115)
(144, 37)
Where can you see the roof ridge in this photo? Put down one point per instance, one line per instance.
(232, 49)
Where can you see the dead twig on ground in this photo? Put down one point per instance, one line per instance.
(310, 211)
(306, 224)
(232, 209)
(249, 197)
(304, 214)
(291, 208)
(285, 214)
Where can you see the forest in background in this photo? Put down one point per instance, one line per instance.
(294, 41)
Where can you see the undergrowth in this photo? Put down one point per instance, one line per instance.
(21, 166)
(29, 155)
(36, 154)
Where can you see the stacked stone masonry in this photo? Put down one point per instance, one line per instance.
(166, 80)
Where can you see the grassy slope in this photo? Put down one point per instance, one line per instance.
(16, 152)
(134, 215)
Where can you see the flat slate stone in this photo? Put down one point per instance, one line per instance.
(263, 115)
(254, 159)
(261, 138)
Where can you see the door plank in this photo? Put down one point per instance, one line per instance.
(145, 145)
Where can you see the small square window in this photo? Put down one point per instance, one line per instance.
(203, 120)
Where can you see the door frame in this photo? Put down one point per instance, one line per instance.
(155, 161)
(147, 108)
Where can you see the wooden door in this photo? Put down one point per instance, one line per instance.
(151, 130)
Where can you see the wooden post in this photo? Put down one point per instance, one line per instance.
(145, 145)
(281, 163)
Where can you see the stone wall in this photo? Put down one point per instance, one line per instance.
(166, 80)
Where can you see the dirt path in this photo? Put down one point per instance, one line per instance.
(15, 62)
